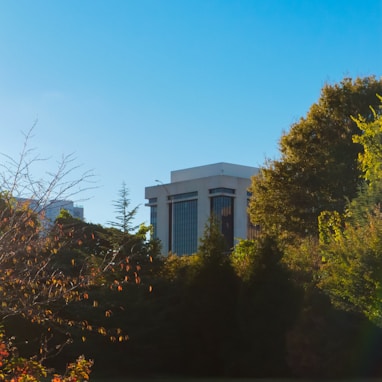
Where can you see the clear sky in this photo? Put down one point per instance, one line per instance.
(136, 89)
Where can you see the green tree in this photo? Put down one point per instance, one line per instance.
(209, 306)
(125, 215)
(370, 158)
(119, 270)
(267, 305)
(352, 269)
(129, 241)
(351, 244)
(212, 248)
(86, 245)
(318, 169)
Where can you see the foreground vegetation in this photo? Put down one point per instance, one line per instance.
(303, 299)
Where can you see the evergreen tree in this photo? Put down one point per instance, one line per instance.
(125, 215)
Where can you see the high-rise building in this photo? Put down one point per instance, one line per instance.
(51, 209)
(181, 209)
(54, 208)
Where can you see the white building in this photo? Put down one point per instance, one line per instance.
(181, 209)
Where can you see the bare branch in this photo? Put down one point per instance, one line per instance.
(29, 278)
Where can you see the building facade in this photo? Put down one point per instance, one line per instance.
(51, 209)
(180, 210)
(54, 208)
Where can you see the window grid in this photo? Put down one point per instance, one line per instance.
(185, 227)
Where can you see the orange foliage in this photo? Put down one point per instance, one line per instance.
(16, 369)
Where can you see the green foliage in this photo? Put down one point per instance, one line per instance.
(330, 225)
(128, 241)
(68, 278)
(267, 306)
(112, 267)
(303, 260)
(352, 271)
(359, 209)
(180, 268)
(125, 216)
(243, 257)
(212, 248)
(318, 168)
(352, 244)
(280, 305)
(370, 158)
(207, 309)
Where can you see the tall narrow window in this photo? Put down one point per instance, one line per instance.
(185, 227)
(170, 227)
(154, 220)
(183, 223)
(222, 209)
(253, 230)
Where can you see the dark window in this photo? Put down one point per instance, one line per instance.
(170, 227)
(222, 190)
(154, 220)
(184, 227)
(253, 230)
(186, 195)
(222, 210)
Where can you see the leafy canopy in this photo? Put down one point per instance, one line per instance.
(351, 243)
(318, 169)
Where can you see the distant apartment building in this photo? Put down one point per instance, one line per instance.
(54, 207)
(180, 210)
(51, 209)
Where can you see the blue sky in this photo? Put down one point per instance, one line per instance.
(136, 89)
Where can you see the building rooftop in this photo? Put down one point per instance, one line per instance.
(221, 168)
